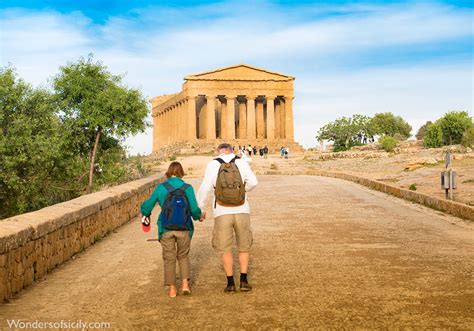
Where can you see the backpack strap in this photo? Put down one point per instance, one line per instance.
(221, 161)
(168, 187)
(184, 187)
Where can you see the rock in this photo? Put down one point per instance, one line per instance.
(430, 161)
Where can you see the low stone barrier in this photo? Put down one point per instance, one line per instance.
(32, 244)
(451, 207)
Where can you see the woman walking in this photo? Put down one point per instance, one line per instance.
(175, 227)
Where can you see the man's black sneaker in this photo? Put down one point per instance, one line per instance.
(230, 289)
(245, 287)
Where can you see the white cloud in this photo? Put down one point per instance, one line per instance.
(157, 47)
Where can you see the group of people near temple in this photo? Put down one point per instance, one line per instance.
(248, 151)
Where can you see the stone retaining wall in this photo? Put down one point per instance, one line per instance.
(32, 244)
(451, 207)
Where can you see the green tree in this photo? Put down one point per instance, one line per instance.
(344, 130)
(468, 137)
(388, 124)
(420, 135)
(433, 136)
(33, 165)
(96, 104)
(453, 125)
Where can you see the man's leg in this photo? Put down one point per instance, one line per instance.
(222, 242)
(227, 262)
(244, 261)
(243, 234)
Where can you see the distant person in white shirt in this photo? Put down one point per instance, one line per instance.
(230, 178)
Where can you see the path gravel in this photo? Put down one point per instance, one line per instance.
(327, 253)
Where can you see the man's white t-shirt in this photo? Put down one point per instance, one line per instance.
(209, 182)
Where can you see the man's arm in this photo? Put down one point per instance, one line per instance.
(206, 186)
(249, 177)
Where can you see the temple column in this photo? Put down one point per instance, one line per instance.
(277, 119)
(251, 129)
(260, 120)
(230, 117)
(183, 120)
(161, 127)
(155, 131)
(191, 117)
(210, 117)
(282, 119)
(173, 123)
(289, 129)
(270, 117)
(202, 121)
(179, 120)
(174, 111)
(223, 119)
(242, 120)
(165, 127)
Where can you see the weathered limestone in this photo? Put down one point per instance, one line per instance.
(33, 244)
(242, 120)
(191, 116)
(230, 117)
(251, 122)
(260, 119)
(277, 119)
(289, 118)
(210, 117)
(270, 117)
(206, 108)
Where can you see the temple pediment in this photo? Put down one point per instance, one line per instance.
(241, 72)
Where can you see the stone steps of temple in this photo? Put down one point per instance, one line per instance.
(197, 147)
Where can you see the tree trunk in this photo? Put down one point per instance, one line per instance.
(92, 160)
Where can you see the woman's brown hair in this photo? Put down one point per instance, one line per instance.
(175, 169)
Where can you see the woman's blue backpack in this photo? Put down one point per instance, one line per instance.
(175, 212)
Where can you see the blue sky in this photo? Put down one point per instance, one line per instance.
(413, 58)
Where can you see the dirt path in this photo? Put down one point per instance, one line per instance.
(327, 253)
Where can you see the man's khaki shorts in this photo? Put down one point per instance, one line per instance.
(224, 228)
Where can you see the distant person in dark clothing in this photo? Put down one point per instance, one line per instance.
(265, 152)
(254, 150)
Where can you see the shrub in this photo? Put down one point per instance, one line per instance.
(412, 187)
(388, 143)
(172, 158)
(468, 137)
(434, 136)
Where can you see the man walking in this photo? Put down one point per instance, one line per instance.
(231, 177)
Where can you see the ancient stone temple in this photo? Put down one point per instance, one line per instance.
(240, 104)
